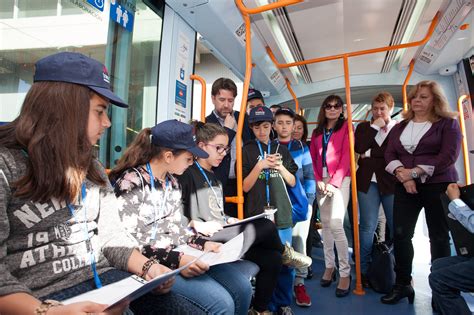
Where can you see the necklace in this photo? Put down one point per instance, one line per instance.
(412, 145)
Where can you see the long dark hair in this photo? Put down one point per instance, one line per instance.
(322, 120)
(301, 119)
(139, 152)
(52, 130)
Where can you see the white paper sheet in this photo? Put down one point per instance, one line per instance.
(255, 217)
(125, 290)
(229, 252)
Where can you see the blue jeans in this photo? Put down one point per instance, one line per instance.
(449, 276)
(283, 293)
(221, 290)
(169, 303)
(369, 204)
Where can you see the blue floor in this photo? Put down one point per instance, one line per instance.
(324, 300)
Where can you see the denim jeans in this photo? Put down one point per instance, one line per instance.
(300, 235)
(369, 204)
(221, 290)
(283, 293)
(449, 276)
(169, 303)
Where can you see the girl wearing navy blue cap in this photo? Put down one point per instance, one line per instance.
(60, 233)
(152, 213)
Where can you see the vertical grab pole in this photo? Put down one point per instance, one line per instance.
(465, 153)
(404, 88)
(358, 290)
(243, 109)
(203, 95)
(297, 104)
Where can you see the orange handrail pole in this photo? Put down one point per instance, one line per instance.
(465, 153)
(203, 95)
(275, 5)
(405, 83)
(243, 108)
(360, 52)
(297, 104)
(355, 211)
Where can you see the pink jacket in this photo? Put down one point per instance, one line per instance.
(337, 156)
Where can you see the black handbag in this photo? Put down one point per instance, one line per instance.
(381, 274)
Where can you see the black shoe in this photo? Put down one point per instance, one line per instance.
(364, 280)
(326, 283)
(399, 292)
(310, 273)
(344, 292)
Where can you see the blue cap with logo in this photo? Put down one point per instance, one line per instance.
(173, 134)
(260, 113)
(253, 94)
(285, 111)
(77, 68)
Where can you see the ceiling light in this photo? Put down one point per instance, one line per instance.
(359, 39)
(415, 17)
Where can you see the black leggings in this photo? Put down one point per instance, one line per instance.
(262, 245)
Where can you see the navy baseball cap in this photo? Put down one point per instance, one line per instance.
(285, 111)
(79, 69)
(260, 113)
(253, 93)
(174, 134)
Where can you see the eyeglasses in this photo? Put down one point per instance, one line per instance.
(329, 106)
(220, 148)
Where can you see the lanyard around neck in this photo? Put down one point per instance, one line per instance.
(85, 229)
(267, 171)
(218, 200)
(153, 199)
(326, 137)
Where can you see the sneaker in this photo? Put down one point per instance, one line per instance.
(254, 312)
(292, 258)
(285, 310)
(302, 298)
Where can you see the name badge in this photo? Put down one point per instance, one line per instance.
(325, 172)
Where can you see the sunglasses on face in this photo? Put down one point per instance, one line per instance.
(329, 106)
(220, 148)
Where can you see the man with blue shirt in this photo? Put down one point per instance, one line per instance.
(452, 275)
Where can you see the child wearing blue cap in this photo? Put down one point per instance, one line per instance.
(60, 232)
(267, 167)
(152, 212)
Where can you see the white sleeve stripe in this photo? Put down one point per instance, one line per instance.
(5, 177)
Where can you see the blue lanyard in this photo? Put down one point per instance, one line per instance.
(90, 249)
(219, 204)
(267, 171)
(153, 194)
(326, 138)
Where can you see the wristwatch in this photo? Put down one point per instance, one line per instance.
(414, 174)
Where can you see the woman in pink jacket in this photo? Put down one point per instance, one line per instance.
(331, 163)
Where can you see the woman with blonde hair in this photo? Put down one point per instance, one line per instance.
(421, 153)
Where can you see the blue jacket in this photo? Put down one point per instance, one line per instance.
(300, 153)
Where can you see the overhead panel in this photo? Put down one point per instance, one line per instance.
(331, 27)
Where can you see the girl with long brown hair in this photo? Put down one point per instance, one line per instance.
(60, 233)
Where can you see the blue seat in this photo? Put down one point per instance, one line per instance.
(247, 268)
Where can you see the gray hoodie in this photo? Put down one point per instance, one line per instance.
(43, 248)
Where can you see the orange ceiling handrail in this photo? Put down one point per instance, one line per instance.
(203, 95)
(275, 5)
(297, 104)
(360, 52)
(405, 83)
(465, 153)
